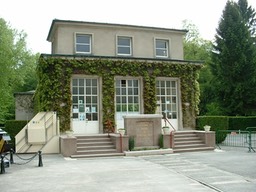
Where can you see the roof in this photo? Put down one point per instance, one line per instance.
(57, 21)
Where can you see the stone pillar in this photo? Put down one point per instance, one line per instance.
(144, 128)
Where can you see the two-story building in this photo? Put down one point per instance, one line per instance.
(99, 72)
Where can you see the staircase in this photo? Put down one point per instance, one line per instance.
(95, 146)
(188, 141)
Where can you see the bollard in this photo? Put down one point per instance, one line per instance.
(2, 165)
(11, 156)
(40, 163)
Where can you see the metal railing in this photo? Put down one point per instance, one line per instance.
(166, 120)
(237, 138)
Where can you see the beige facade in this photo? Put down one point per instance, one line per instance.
(130, 44)
(104, 36)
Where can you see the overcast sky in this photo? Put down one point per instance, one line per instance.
(35, 17)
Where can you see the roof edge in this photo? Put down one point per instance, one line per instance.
(54, 21)
(122, 58)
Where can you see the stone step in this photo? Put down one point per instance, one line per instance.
(192, 149)
(95, 151)
(94, 143)
(187, 142)
(187, 146)
(97, 155)
(95, 147)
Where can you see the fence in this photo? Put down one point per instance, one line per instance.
(237, 138)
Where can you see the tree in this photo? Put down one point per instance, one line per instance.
(17, 65)
(196, 48)
(234, 65)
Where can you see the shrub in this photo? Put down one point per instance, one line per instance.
(241, 123)
(131, 143)
(216, 122)
(161, 141)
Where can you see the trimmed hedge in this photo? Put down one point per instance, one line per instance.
(13, 127)
(216, 123)
(241, 123)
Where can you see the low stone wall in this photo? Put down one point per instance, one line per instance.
(208, 137)
(121, 142)
(144, 128)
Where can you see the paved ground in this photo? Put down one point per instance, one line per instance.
(228, 169)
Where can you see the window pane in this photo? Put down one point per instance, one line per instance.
(75, 82)
(81, 82)
(83, 48)
(75, 99)
(94, 82)
(75, 90)
(94, 90)
(161, 44)
(83, 39)
(124, 41)
(94, 99)
(81, 90)
(88, 99)
(124, 50)
(88, 90)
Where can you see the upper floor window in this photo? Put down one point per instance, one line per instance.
(124, 45)
(83, 43)
(162, 47)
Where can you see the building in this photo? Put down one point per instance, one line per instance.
(99, 72)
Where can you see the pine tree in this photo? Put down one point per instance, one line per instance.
(234, 64)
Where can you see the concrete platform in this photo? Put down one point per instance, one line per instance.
(219, 170)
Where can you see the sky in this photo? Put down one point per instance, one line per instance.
(34, 17)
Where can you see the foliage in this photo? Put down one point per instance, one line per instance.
(217, 123)
(161, 141)
(234, 63)
(196, 48)
(13, 127)
(131, 143)
(55, 74)
(241, 123)
(17, 70)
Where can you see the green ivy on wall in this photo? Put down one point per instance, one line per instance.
(54, 88)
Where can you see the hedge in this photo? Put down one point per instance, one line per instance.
(13, 127)
(241, 123)
(216, 123)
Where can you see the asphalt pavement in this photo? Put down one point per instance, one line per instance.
(226, 169)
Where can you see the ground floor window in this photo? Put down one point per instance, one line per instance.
(85, 99)
(127, 96)
(166, 92)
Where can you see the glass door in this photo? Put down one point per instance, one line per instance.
(85, 109)
(167, 101)
(127, 99)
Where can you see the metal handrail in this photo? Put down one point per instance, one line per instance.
(166, 120)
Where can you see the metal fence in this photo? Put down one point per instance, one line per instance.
(237, 138)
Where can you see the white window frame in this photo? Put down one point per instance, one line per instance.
(117, 46)
(167, 49)
(90, 43)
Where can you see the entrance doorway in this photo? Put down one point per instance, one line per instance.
(127, 99)
(85, 105)
(167, 101)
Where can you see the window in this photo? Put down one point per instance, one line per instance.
(124, 45)
(127, 96)
(162, 48)
(166, 91)
(83, 43)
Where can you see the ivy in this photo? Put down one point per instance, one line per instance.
(54, 88)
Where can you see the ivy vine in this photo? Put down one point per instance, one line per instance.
(54, 88)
